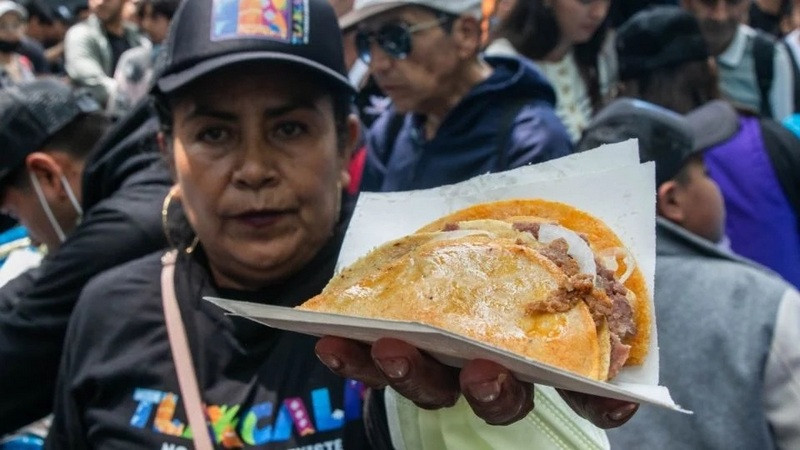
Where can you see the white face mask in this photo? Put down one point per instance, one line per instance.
(49, 212)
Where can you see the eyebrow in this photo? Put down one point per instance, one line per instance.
(201, 110)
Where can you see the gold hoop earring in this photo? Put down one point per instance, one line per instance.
(165, 217)
(165, 223)
(193, 245)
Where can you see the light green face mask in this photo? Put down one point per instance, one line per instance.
(49, 212)
(551, 425)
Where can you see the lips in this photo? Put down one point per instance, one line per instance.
(261, 218)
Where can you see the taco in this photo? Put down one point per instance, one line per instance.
(537, 278)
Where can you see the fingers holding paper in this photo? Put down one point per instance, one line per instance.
(491, 390)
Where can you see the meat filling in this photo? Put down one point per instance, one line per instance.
(620, 321)
(530, 227)
(451, 227)
(613, 307)
(566, 297)
(619, 354)
(556, 251)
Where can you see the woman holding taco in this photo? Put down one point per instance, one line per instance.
(256, 128)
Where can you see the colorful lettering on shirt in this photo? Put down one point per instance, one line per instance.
(164, 422)
(258, 425)
(223, 422)
(146, 398)
(300, 417)
(353, 399)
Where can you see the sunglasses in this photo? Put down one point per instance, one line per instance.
(392, 38)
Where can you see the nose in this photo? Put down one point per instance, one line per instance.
(720, 11)
(379, 60)
(256, 169)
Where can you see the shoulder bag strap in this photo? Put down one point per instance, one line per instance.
(182, 356)
(764, 56)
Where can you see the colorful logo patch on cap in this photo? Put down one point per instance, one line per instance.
(278, 20)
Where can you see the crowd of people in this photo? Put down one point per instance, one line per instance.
(161, 151)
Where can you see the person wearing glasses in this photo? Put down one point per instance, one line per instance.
(454, 114)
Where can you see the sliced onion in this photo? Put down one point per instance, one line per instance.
(577, 248)
(628, 258)
(610, 257)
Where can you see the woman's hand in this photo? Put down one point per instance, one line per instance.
(490, 389)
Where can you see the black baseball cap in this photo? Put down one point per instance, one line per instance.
(658, 37)
(32, 113)
(664, 136)
(206, 35)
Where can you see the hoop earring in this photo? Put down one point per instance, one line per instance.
(165, 223)
(193, 245)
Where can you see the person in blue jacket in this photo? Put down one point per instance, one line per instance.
(454, 114)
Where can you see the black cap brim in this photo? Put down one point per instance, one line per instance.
(171, 82)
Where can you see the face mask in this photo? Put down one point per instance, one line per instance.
(49, 212)
(9, 46)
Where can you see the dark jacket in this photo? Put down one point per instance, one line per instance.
(124, 187)
(263, 388)
(504, 122)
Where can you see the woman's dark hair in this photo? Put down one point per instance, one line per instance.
(681, 88)
(532, 28)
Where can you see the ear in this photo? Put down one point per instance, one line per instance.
(467, 36)
(686, 4)
(669, 204)
(45, 168)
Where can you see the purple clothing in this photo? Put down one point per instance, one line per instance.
(760, 223)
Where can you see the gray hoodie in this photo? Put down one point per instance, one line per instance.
(728, 333)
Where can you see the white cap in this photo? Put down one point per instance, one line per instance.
(7, 6)
(364, 9)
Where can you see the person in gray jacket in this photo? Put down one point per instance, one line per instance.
(728, 329)
(93, 47)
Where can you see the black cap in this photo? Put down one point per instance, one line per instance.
(206, 35)
(658, 37)
(664, 136)
(32, 113)
(39, 9)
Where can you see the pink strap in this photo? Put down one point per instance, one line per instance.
(182, 356)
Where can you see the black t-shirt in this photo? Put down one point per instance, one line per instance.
(118, 46)
(264, 388)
